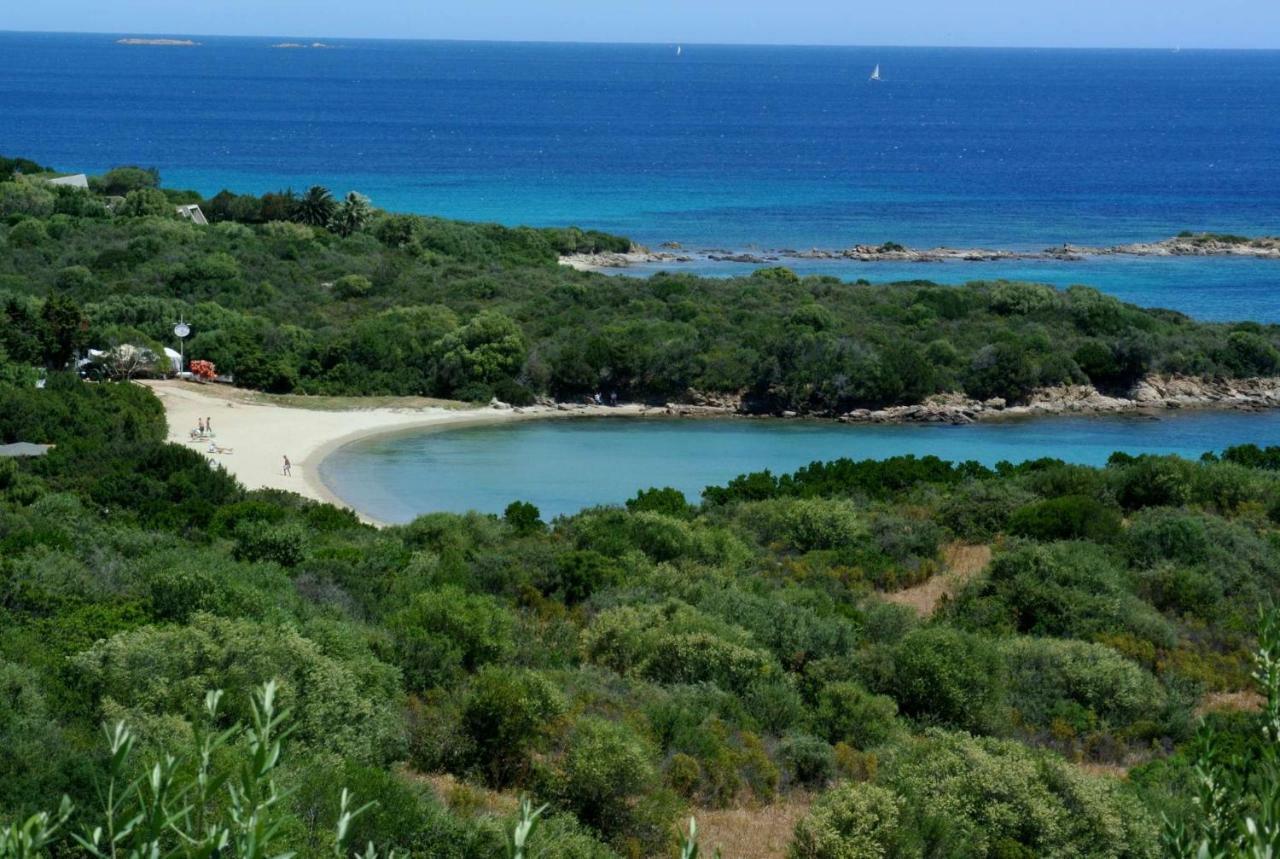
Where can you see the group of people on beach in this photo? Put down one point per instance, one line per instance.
(204, 430)
(598, 398)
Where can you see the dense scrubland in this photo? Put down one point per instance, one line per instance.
(306, 293)
(632, 665)
(927, 659)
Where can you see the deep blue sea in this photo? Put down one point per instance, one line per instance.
(714, 147)
(718, 146)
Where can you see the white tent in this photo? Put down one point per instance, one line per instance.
(175, 359)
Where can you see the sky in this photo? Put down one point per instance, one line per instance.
(997, 23)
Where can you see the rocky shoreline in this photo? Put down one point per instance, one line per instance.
(639, 256)
(160, 43)
(1152, 395)
(1187, 245)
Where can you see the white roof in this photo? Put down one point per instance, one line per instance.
(24, 448)
(79, 180)
(192, 213)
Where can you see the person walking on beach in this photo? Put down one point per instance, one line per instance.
(200, 425)
(208, 425)
(288, 467)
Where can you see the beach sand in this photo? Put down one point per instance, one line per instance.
(260, 430)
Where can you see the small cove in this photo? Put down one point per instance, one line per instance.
(563, 466)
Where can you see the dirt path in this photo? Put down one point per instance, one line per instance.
(961, 563)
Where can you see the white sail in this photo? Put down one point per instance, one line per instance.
(679, 50)
(875, 73)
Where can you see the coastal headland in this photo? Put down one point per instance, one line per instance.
(1185, 245)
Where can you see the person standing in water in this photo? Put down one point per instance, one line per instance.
(288, 467)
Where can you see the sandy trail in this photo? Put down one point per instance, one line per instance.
(259, 431)
(960, 564)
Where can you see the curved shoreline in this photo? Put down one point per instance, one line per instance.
(255, 432)
(321, 491)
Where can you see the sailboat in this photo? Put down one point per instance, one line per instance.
(679, 50)
(875, 73)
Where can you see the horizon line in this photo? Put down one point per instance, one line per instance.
(633, 43)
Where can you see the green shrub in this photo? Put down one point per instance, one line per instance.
(962, 796)
(704, 658)
(807, 524)
(1076, 681)
(339, 699)
(605, 769)
(442, 634)
(580, 573)
(352, 286)
(848, 713)
(775, 705)
(258, 541)
(27, 233)
(524, 518)
(1022, 298)
(853, 821)
(1153, 481)
(1073, 590)
(137, 817)
(1070, 517)
(668, 502)
(146, 202)
(30, 732)
(504, 712)
(684, 775)
(119, 181)
(807, 760)
(945, 676)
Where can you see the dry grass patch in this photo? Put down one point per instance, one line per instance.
(961, 562)
(1243, 701)
(751, 833)
(469, 800)
(1119, 771)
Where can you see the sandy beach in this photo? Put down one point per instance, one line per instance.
(259, 430)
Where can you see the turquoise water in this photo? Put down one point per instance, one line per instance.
(563, 466)
(722, 146)
(1218, 289)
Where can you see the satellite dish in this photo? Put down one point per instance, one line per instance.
(181, 329)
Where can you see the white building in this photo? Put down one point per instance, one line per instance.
(193, 214)
(78, 180)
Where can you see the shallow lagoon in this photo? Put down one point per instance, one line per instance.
(565, 465)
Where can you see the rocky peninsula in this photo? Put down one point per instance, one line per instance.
(1183, 245)
(1152, 395)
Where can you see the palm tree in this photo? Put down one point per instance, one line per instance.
(316, 207)
(352, 215)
